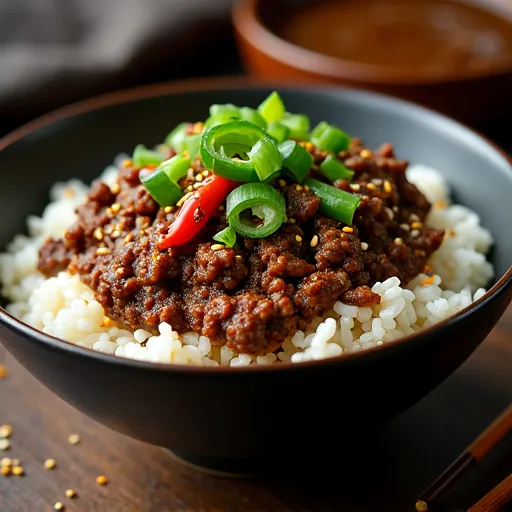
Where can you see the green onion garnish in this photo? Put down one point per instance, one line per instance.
(334, 170)
(162, 184)
(329, 138)
(192, 145)
(278, 131)
(255, 200)
(298, 124)
(227, 237)
(296, 160)
(252, 116)
(176, 138)
(334, 203)
(226, 110)
(143, 156)
(272, 109)
(263, 157)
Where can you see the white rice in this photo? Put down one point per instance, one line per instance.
(64, 307)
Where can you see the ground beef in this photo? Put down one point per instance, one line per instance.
(254, 295)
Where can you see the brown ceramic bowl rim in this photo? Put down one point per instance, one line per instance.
(249, 25)
(215, 84)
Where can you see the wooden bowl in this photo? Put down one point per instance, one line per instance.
(228, 417)
(472, 96)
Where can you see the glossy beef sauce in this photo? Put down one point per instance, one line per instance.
(253, 296)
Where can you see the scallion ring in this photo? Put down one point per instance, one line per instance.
(258, 200)
(272, 108)
(258, 156)
(297, 161)
(329, 138)
(142, 156)
(334, 170)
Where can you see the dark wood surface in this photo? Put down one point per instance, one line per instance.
(384, 473)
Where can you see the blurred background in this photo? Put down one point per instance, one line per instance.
(53, 52)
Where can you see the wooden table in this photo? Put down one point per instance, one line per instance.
(387, 475)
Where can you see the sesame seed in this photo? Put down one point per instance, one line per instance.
(58, 506)
(5, 444)
(239, 257)
(309, 146)
(292, 221)
(107, 322)
(70, 493)
(5, 470)
(390, 213)
(190, 188)
(6, 462)
(416, 225)
(221, 208)
(3, 372)
(347, 229)
(168, 209)
(115, 188)
(414, 218)
(366, 153)
(74, 439)
(102, 480)
(217, 247)
(199, 177)
(206, 173)
(49, 464)
(377, 181)
(371, 186)
(128, 238)
(18, 471)
(115, 207)
(306, 188)
(355, 186)
(127, 163)
(415, 233)
(98, 234)
(399, 241)
(116, 233)
(314, 241)
(298, 188)
(183, 199)
(364, 246)
(405, 227)
(197, 185)
(388, 188)
(298, 238)
(282, 183)
(6, 431)
(102, 251)
(395, 209)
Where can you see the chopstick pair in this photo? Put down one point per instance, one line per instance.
(475, 452)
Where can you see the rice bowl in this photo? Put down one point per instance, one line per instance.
(65, 307)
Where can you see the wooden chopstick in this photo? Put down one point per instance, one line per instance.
(475, 452)
(495, 499)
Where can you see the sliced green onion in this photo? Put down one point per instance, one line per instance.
(226, 110)
(334, 203)
(272, 109)
(329, 138)
(251, 140)
(296, 160)
(252, 116)
(255, 199)
(266, 158)
(176, 138)
(143, 156)
(334, 170)
(279, 131)
(227, 237)
(298, 124)
(192, 145)
(162, 184)
(176, 168)
(161, 188)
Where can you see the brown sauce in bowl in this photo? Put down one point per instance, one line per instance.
(434, 34)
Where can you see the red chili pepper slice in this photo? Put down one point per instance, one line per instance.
(197, 210)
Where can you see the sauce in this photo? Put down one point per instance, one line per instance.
(402, 33)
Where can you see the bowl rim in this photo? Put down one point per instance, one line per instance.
(222, 84)
(250, 27)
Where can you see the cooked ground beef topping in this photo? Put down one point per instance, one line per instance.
(253, 296)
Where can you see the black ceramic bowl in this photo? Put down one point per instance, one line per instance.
(222, 417)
